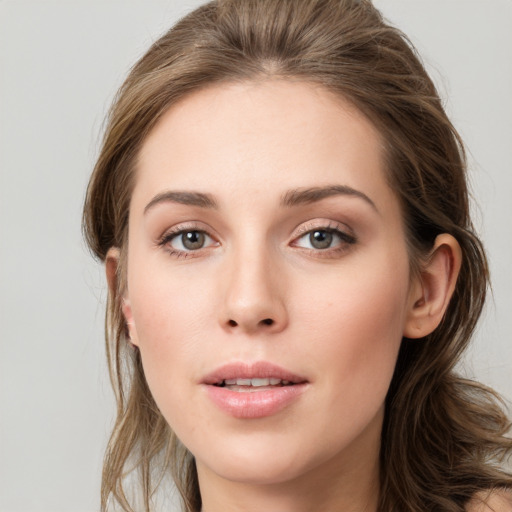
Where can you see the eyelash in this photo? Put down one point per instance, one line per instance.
(345, 240)
(174, 233)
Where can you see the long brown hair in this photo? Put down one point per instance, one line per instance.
(444, 437)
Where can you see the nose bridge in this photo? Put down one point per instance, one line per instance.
(253, 295)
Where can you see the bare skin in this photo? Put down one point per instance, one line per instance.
(262, 228)
(496, 501)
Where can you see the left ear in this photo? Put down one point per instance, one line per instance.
(433, 288)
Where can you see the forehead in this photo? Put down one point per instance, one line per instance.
(262, 137)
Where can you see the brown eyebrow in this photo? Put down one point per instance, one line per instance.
(188, 198)
(311, 195)
(290, 198)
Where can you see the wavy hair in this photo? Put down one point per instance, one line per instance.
(444, 437)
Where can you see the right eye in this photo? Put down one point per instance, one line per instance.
(187, 240)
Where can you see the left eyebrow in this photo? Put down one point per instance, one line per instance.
(183, 197)
(312, 195)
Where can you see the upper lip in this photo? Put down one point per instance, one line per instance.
(257, 370)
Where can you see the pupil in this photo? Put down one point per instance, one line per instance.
(193, 239)
(320, 239)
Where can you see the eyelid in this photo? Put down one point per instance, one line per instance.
(323, 224)
(184, 227)
(345, 234)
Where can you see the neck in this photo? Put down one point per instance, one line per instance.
(349, 481)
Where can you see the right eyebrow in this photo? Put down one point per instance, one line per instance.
(181, 197)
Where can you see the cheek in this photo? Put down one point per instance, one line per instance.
(354, 331)
(167, 305)
(171, 316)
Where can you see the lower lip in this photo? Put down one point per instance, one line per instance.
(254, 404)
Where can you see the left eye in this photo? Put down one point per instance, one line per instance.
(321, 239)
(191, 240)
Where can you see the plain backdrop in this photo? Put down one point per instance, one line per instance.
(61, 62)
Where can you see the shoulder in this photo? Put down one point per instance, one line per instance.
(499, 500)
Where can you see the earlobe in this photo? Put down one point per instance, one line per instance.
(433, 288)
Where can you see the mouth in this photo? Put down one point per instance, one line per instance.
(254, 390)
(252, 385)
(252, 377)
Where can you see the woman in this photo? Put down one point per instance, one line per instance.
(281, 205)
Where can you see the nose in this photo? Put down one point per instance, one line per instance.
(255, 300)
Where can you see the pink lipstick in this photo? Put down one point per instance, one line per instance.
(253, 390)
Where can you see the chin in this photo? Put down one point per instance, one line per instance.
(270, 472)
(261, 463)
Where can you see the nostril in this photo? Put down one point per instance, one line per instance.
(265, 321)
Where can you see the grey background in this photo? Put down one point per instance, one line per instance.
(60, 64)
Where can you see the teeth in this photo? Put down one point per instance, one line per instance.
(256, 382)
(260, 382)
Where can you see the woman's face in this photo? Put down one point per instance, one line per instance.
(268, 279)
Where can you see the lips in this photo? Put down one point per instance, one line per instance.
(253, 372)
(253, 390)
